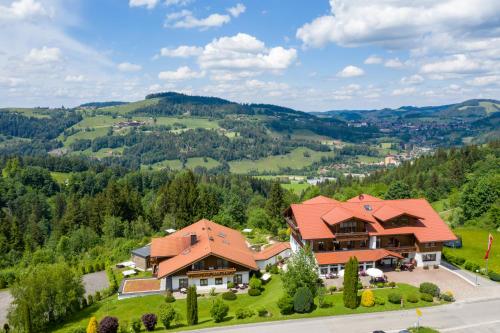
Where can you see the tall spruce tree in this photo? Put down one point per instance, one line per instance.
(350, 293)
(182, 199)
(192, 306)
(275, 205)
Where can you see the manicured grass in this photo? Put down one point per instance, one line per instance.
(294, 160)
(133, 308)
(422, 330)
(475, 242)
(191, 164)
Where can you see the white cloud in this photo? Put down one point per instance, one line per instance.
(396, 22)
(413, 79)
(351, 71)
(403, 91)
(128, 67)
(459, 63)
(245, 52)
(149, 4)
(23, 9)
(182, 73)
(183, 51)
(484, 80)
(74, 78)
(44, 55)
(373, 60)
(177, 2)
(237, 10)
(185, 19)
(393, 63)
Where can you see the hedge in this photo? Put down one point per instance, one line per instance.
(426, 297)
(429, 288)
(412, 298)
(229, 296)
(494, 276)
(254, 292)
(394, 297)
(243, 313)
(471, 266)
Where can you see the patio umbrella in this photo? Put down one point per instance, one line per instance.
(341, 273)
(374, 272)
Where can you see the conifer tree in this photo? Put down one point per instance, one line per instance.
(350, 293)
(192, 306)
(92, 326)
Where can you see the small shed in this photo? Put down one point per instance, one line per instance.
(141, 257)
(272, 254)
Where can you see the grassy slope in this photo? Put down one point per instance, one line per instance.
(191, 164)
(294, 160)
(133, 308)
(28, 112)
(295, 187)
(474, 247)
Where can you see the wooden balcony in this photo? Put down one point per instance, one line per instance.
(401, 248)
(351, 236)
(211, 272)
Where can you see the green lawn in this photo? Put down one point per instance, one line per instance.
(126, 108)
(294, 160)
(133, 308)
(295, 187)
(192, 163)
(60, 177)
(28, 112)
(474, 247)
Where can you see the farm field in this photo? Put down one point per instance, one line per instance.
(293, 160)
(296, 187)
(129, 309)
(129, 107)
(28, 112)
(475, 242)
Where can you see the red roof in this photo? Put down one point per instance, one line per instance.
(271, 251)
(211, 239)
(313, 219)
(364, 198)
(341, 257)
(319, 199)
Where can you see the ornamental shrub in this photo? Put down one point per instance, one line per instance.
(426, 297)
(494, 276)
(394, 297)
(392, 284)
(379, 300)
(303, 300)
(149, 321)
(429, 288)
(254, 292)
(90, 300)
(219, 310)
(255, 283)
(97, 296)
(167, 315)
(350, 293)
(229, 296)
(262, 311)
(367, 298)
(471, 266)
(380, 285)
(108, 325)
(192, 306)
(78, 330)
(243, 313)
(321, 297)
(332, 289)
(169, 297)
(285, 304)
(92, 325)
(136, 325)
(447, 296)
(230, 285)
(412, 298)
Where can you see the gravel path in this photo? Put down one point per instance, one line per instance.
(92, 282)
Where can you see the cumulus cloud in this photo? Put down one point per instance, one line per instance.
(177, 2)
(373, 60)
(23, 9)
(183, 51)
(459, 63)
(149, 4)
(74, 78)
(413, 79)
(244, 52)
(484, 80)
(237, 10)
(351, 71)
(393, 63)
(44, 55)
(181, 73)
(395, 22)
(185, 19)
(403, 91)
(129, 67)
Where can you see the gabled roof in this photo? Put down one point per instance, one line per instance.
(313, 219)
(364, 198)
(212, 239)
(271, 251)
(341, 257)
(320, 199)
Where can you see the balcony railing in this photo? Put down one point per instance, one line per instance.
(401, 248)
(211, 272)
(351, 235)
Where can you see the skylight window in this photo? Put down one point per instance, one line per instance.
(368, 208)
(221, 234)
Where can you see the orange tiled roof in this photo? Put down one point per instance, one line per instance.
(312, 219)
(271, 251)
(341, 257)
(212, 239)
(364, 198)
(319, 199)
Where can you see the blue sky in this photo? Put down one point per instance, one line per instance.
(310, 55)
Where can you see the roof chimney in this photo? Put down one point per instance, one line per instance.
(193, 239)
(361, 197)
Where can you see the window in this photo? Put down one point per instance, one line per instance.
(238, 279)
(200, 265)
(362, 243)
(429, 257)
(324, 270)
(347, 227)
(203, 282)
(321, 246)
(183, 283)
(218, 281)
(219, 263)
(431, 244)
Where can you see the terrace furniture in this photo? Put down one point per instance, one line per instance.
(129, 272)
(183, 290)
